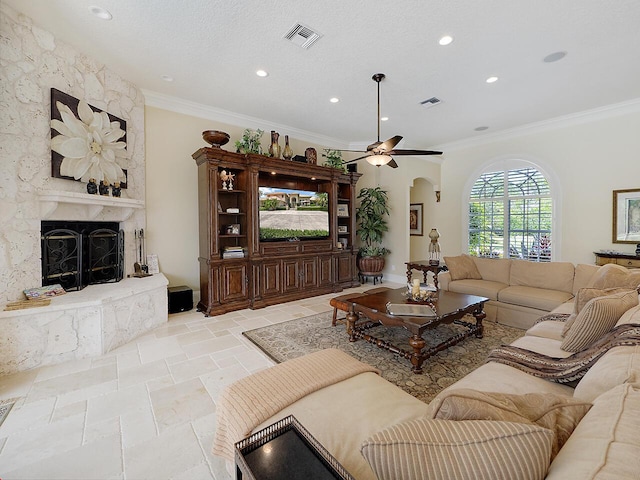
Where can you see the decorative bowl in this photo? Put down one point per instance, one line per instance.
(215, 138)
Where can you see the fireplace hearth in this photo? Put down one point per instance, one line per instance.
(76, 253)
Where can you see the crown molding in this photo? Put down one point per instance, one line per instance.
(186, 107)
(578, 118)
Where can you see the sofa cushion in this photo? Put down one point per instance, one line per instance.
(367, 401)
(547, 329)
(605, 444)
(582, 298)
(462, 267)
(617, 366)
(540, 298)
(439, 449)
(483, 288)
(630, 316)
(559, 414)
(494, 269)
(547, 275)
(612, 275)
(583, 275)
(544, 346)
(597, 317)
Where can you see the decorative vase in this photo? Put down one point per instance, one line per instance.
(103, 188)
(116, 190)
(370, 265)
(274, 149)
(215, 138)
(92, 187)
(434, 247)
(287, 153)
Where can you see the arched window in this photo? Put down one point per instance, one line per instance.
(510, 215)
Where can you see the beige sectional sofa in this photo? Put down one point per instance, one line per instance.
(519, 291)
(588, 430)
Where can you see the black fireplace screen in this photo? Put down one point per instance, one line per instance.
(77, 254)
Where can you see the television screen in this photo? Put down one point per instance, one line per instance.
(287, 214)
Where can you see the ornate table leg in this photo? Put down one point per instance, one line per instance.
(409, 271)
(417, 343)
(479, 316)
(351, 319)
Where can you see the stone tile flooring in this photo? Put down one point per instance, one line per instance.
(143, 411)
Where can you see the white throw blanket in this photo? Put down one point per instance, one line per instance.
(248, 402)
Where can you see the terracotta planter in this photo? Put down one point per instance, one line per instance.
(370, 265)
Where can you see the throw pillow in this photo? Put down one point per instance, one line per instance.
(474, 449)
(612, 275)
(597, 317)
(582, 298)
(462, 267)
(558, 414)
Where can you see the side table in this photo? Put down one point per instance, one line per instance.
(425, 267)
(286, 450)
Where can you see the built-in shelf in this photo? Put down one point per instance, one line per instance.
(87, 206)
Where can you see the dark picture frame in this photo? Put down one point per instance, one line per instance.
(415, 219)
(626, 216)
(72, 103)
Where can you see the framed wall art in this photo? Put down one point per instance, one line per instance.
(415, 219)
(86, 142)
(626, 216)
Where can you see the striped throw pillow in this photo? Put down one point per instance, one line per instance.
(470, 449)
(597, 317)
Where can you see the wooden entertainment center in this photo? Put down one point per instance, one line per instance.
(268, 272)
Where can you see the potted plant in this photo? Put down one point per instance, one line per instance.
(250, 142)
(371, 225)
(334, 159)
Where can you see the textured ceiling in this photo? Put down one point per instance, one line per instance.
(212, 49)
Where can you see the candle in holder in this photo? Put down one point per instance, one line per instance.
(415, 288)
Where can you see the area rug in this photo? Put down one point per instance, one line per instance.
(305, 335)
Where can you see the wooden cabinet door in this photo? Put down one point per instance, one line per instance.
(309, 272)
(271, 283)
(290, 275)
(345, 267)
(325, 276)
(234, 282)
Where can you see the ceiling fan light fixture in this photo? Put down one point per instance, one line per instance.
(379, 160)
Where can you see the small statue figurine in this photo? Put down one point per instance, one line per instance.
(115, 189)
(92, 187)
(103, 188)
(224, 177)
(230, 178)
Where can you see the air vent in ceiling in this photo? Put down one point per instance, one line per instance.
(430, 102)
(302, 35)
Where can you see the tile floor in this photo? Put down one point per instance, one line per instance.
(143, 411)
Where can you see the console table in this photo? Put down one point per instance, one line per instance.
(425, 267)
(626, 260)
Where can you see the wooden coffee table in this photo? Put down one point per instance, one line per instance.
(371, 311)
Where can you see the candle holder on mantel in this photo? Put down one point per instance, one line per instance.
(434, 247)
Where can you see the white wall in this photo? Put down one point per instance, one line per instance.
(589, 156)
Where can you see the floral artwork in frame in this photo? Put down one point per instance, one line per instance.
(626, 216)
(415, 219)
(86, 142)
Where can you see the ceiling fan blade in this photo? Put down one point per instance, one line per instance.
(374, 145)
(356, 159)
(413, 152)
(388, 145)
(392, 164)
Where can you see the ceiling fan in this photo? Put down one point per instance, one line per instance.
(379, 153)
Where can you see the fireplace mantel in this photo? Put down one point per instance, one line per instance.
(55, 205)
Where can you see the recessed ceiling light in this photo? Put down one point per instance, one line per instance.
(167, 78)
(554, 57)
(481, 129)
(446, 40)
(101, 13)
(384, 119)
(262, 73)
(334, 100)
(491, 79)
